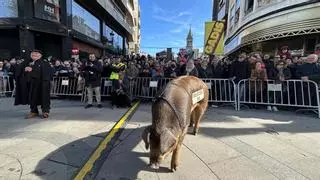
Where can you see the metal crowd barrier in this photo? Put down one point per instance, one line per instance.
(220, 90)
(147, 88)
(7, 85)
(292, 93)
(65, 86)
(106, 87)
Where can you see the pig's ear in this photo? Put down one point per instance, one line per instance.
(146, 136)
(167, 141)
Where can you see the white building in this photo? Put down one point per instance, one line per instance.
(134, 46)
(266, 25)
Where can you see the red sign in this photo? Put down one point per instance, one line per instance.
(75, 51)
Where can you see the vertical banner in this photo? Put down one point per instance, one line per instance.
(214, 37)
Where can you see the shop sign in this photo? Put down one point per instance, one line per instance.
(47, 10)
(214, 37)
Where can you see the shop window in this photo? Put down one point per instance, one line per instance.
(249, 6)
(232, 16)
(310, 45)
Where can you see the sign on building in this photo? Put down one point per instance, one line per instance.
(214, 37)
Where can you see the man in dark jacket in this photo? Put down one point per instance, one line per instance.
(33, 84)
(173, 71)
(309, 71)
(205, 71)
(92, 73)
(269, 64)
(240, 69)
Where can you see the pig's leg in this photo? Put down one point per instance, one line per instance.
(192, 119)
(176, 153)
(199, 112)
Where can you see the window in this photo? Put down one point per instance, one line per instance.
(84, 22)
(249, 6)
(8, 8)
(232, 17)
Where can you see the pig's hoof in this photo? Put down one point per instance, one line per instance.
(174, 167)
(154, 166)
(195, 132)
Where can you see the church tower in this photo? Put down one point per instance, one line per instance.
(190, 40)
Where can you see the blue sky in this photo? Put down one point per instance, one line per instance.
(165, 23)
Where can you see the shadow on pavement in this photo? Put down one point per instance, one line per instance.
(128, 158)
(124, 158)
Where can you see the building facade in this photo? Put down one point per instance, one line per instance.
(57, 27)
(134, 46)
(267, 25)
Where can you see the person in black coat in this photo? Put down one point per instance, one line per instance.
(279, 74)
(204, 70)
(33, 84)
(240, 69)
(92, 71)
(310, 70)
(172, 71)
(122, 96)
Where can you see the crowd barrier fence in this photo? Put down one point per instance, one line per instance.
(65, 86)
(7, 85)
(291, 93)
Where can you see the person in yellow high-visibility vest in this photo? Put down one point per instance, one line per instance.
(116, 68)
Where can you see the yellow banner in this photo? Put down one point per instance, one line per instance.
(214, 37)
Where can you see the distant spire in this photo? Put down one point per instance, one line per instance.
(190, 33)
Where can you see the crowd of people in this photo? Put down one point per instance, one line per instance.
(121, 69)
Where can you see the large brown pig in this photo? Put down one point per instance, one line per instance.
(182, 102)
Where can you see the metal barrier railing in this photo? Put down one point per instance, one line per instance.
(6, 86)
(106, 87)
(65, 86)
(220, 90)
(147, 88)
(294, 93)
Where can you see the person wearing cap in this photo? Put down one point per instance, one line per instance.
(33, 84)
